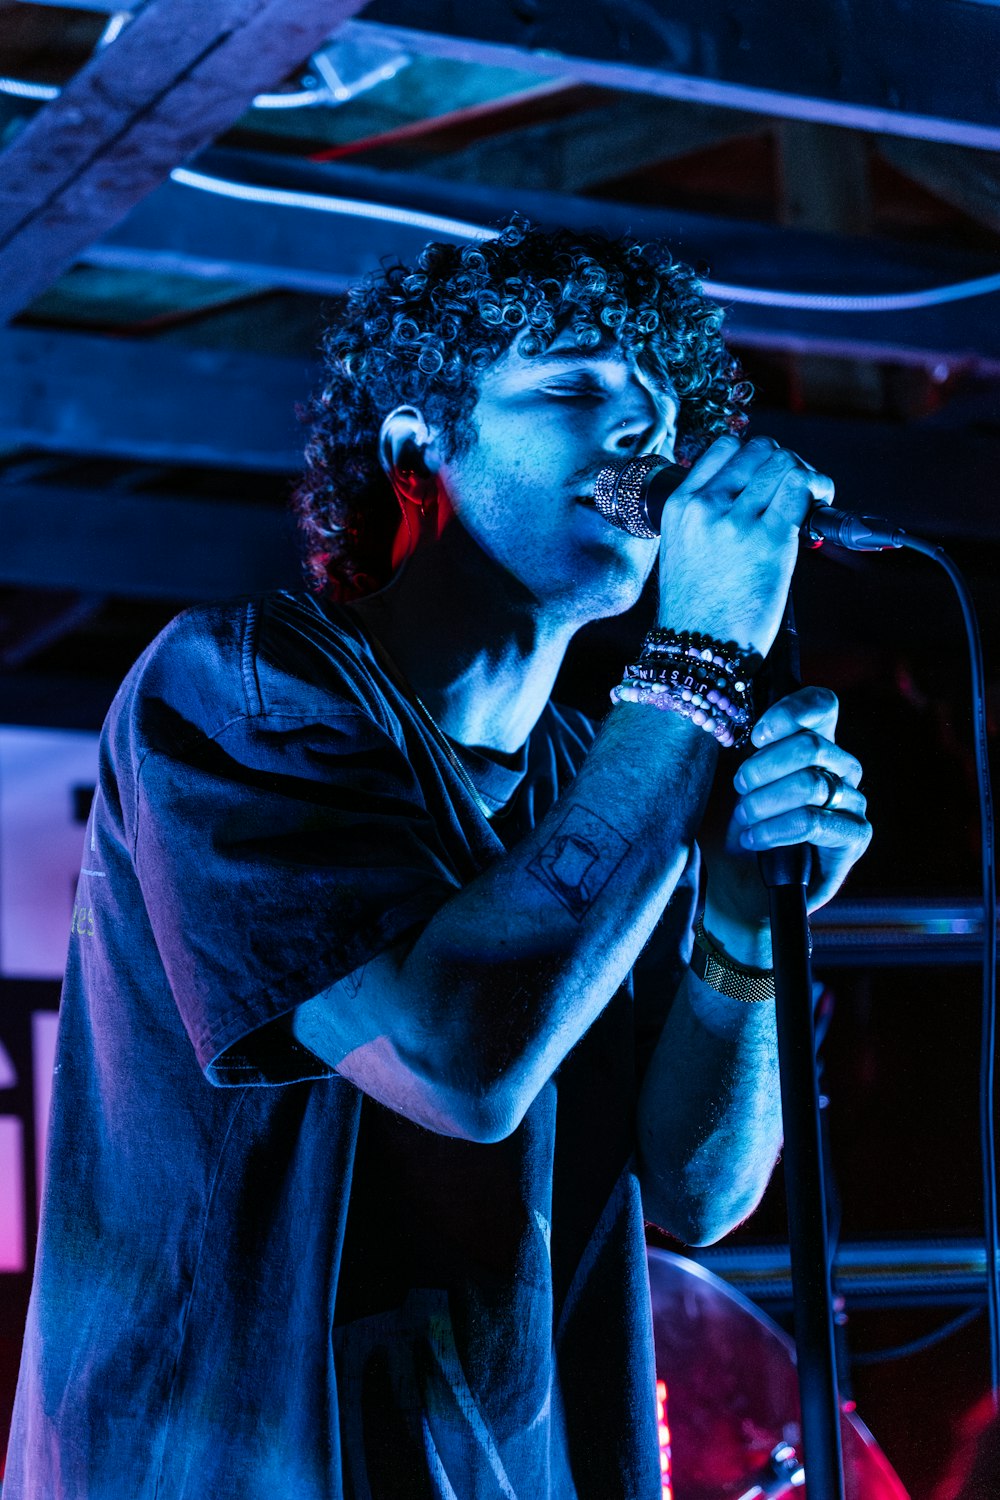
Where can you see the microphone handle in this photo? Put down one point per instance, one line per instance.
(823, 523)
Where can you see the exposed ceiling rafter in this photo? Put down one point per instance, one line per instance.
(181, 230)
(929, 480)
(574, 154)
(150, 401)
(176, 77)
(142, 547)
(901, 67)
(968, 181)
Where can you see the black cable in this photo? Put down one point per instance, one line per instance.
(987, 840)
(917, 1346)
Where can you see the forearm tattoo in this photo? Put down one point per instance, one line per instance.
(352, 982)
(577, 862)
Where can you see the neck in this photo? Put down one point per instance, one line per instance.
(479, 652)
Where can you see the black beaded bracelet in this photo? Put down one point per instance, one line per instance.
(663, 640)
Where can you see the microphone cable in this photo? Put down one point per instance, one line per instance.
(987, 1062)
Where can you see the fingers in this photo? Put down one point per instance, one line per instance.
(803, 789)
(806, 753)
(730, 465)
(760, 478)
(783, 490)
(813, 708)
(712, 460)
(841, 830)
(786, 788)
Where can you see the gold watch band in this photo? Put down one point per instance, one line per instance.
(725, 975)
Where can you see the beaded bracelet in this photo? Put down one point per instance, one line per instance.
(707, 690)
(692, 674)
(664, 641)
(725, 730)
(686, 672)
(702, 659)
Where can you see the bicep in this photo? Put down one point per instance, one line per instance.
(662, 965)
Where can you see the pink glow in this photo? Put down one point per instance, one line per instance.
(663, 1432)
(12, 1228)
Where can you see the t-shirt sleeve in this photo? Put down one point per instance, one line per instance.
(274, 858)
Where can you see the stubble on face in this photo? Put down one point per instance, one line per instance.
(543, 427)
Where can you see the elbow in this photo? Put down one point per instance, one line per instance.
(491, 1115)
(438, 1097)
(698, 1219)
(448, 1101)
(698, 1233)
(696, 1230)
(488, 1097)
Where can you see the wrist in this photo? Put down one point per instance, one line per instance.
(695, 676)
(746, 942)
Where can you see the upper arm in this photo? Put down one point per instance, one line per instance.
(662, 964)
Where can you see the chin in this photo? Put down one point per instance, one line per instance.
(596, 593)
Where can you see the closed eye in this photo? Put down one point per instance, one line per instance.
(583, 389)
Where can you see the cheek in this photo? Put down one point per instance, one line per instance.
(550, 447)
(515, 459)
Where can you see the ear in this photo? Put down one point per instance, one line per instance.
(408, 452)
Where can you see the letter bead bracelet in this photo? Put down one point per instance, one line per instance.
(696, 676)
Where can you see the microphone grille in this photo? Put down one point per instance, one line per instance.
(619, 493)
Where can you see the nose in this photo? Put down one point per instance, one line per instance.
(640, 425)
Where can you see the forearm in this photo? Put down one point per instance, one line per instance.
(709, 1114)
(460, 1030)
(524, 959)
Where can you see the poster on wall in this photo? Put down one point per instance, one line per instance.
(46, 783)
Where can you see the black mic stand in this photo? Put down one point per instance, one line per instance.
(786, 873)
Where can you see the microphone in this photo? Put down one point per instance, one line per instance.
(632, 492)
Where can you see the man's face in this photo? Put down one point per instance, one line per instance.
(524, 490)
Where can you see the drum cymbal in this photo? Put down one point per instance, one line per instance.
(732, 1394)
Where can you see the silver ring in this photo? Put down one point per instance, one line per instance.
(836, 790)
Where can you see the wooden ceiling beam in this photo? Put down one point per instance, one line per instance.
(301, 249)
(150, 401)
(140, 546)
(824, 186)
(572, 155)
(240, 414)
(899, 66)
(180, 73)
(967, 180)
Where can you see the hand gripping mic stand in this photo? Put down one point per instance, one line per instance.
(785, 872)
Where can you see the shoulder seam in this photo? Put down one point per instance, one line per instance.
(251, 685)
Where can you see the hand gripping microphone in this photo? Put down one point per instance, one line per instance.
(632, 492)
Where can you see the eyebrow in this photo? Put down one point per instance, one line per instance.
(567, 356)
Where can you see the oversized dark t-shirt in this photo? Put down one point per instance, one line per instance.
(252, 1280)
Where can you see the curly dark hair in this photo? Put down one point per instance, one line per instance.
(424, 335)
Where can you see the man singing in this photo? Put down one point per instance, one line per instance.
(387, 1033)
